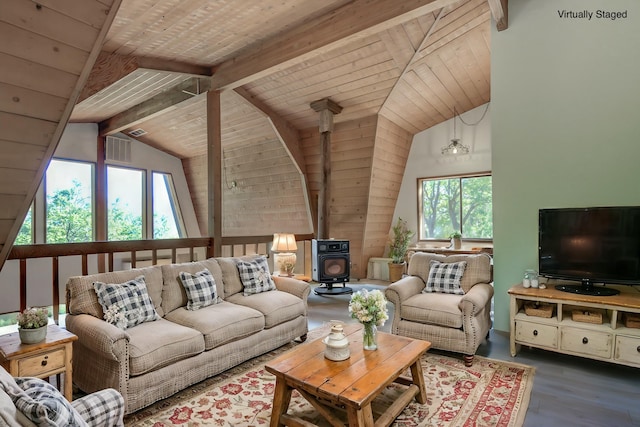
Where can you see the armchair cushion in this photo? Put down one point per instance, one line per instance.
(478, 269)
(433, 309)
(445, 277)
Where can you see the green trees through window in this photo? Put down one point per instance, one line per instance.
(456, 204)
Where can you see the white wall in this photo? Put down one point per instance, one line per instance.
(565, 98)
(426, 159)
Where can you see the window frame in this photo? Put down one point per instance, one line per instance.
(143, 198)
(173, 196)
(460, 177)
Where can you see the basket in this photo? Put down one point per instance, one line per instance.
(631, 320)
(587, 316)
(538, 309)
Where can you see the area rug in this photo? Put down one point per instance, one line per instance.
(490, 393)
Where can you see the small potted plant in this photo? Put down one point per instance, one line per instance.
(398, 249)
(32, 324)
(456, 240)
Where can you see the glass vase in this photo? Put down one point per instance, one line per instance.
(370, 336)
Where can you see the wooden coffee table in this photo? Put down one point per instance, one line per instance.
(350, 385)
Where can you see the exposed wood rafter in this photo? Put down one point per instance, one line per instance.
(341, 26)
(500, 12)
(155, 106)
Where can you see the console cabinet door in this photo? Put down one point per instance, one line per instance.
(587, 342)
(537, 334)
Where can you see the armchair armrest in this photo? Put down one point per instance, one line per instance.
(293, 286)
(404, 288)
(477, 298)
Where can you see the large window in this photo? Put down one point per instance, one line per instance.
(25, 235)
(166, 215)
(455, 204)
(69, 204)
(125, 201)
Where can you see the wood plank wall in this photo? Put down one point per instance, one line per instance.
(352, 148)
(389, 160)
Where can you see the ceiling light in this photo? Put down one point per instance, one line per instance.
(455, 147)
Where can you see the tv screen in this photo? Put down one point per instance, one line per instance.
(597, 245)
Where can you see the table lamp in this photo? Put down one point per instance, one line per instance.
(284, 256)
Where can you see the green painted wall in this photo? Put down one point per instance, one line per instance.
(565, 122)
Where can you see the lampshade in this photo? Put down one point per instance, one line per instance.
(283, 242)
(283, 248)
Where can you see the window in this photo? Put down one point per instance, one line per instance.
(125, 191)
(25, 235)
(166, 215)
(69, 202)
(456, 204)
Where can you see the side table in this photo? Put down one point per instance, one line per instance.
(42, 360)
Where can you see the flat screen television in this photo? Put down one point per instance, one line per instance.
(596, 246)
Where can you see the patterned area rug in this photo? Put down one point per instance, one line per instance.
(490, 393)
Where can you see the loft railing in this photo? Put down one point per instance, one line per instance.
(132, 252)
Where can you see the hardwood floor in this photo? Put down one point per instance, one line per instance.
(567, 390)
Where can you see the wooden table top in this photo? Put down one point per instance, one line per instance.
(11, 347)
(355, 381)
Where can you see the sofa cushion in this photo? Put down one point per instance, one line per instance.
(44, 405)
(433, 309)
(255, 276)
(82, 299)
(276, 306)
(478, 269)
(445, 277)
(161, 343)
(219, 323)
(200, 288)
(174, 294)
(126, 304)
(231, 276)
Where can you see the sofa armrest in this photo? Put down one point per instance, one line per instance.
(477, 298)
(293, 286)
(404, 288)
(97, 334)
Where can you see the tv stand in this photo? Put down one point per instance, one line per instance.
(563, 322)
(587, 288)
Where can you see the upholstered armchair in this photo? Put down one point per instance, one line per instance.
(445, 300)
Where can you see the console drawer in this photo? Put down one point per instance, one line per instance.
(587, 342)
(627, 349)
(537, 334)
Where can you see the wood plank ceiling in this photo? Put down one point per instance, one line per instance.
(409, 61)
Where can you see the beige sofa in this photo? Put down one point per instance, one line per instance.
(155, 359)
(452, 322)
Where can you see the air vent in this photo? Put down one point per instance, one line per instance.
(118, 149)
(137, 132)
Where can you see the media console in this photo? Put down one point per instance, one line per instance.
(551, 323)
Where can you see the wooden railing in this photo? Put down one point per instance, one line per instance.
(107, 251)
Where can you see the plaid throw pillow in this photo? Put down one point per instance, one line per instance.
(255, 276)
(445, 277)
(200, 288)
(43, 404)
(126, 305)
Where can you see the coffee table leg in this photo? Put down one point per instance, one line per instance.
(281, 399)
(360, 417)
(418, 379)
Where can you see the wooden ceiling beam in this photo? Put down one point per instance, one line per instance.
(155, 106)
(111, 67)
(337, 28)
(500, 12)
